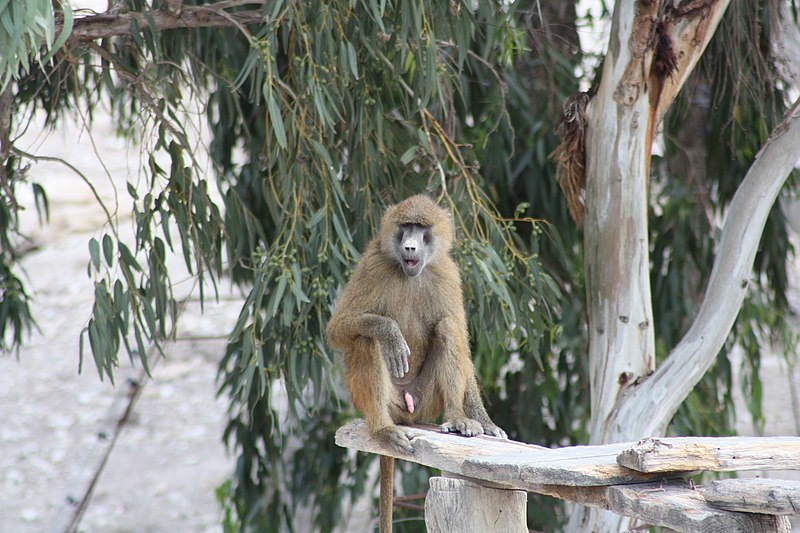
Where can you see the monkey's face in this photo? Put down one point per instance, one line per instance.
(414, 248)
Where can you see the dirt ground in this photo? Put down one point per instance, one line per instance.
(56, 423)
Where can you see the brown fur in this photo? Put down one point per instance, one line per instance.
(381, 306)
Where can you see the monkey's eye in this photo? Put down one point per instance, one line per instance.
(401, 229)
(427, 237)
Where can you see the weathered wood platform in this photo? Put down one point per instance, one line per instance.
(717, 454)
(645, 479)
(505, 462)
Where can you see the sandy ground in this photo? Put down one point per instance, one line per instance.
(55, 422)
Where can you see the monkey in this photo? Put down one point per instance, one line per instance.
(401, 325)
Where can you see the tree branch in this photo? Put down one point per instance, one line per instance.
(647, 408)
(5, 148)
(95, 27)
(686, 30)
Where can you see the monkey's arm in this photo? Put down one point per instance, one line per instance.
(473, 407)
(345, 328)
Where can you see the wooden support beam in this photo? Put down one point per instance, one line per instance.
(767, 496)
(460, 506)
(671, 504)
(683, 508)
(716, 454)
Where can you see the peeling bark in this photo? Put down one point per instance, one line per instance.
(638, 84)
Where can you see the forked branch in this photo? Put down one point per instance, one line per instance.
(648, 407)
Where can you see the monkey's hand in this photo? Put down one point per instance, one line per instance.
(395, 351)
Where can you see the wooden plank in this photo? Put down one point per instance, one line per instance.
(683, 508)
(718, 454)
(672, 504)
(460, 506)
(508, 463)
(767, 496)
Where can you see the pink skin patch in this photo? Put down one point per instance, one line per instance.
(409, 401)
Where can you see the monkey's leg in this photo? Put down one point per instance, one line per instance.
(473, 408)
(451, 368)
(373, 393)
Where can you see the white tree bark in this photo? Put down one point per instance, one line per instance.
(621, 340)
(652, 50)
(632, 98)
(648, 407)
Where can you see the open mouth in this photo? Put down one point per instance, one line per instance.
(411, 263)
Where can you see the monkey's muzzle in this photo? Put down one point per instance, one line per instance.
(411, 267)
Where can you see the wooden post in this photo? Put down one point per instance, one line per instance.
(460, 506)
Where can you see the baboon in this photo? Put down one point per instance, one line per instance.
(401, 325)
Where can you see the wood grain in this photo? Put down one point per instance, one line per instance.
(767, 496)
(716, 454)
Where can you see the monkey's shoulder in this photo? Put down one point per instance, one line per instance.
(374, 265)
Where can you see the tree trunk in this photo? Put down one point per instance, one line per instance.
(652, 50)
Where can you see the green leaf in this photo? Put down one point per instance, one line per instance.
(127, 257)
(66, 30)
(276, 121)
(351, 55)
(316, 218)
(297, 285)
(41, 202)
(136, 33)
(409, 155)
(132, 190)
(108, 250)
(276, 8)
(275, 297)
(94, 252)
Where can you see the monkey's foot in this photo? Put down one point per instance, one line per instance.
(395, 438)
(494, 431)
(466, 426)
